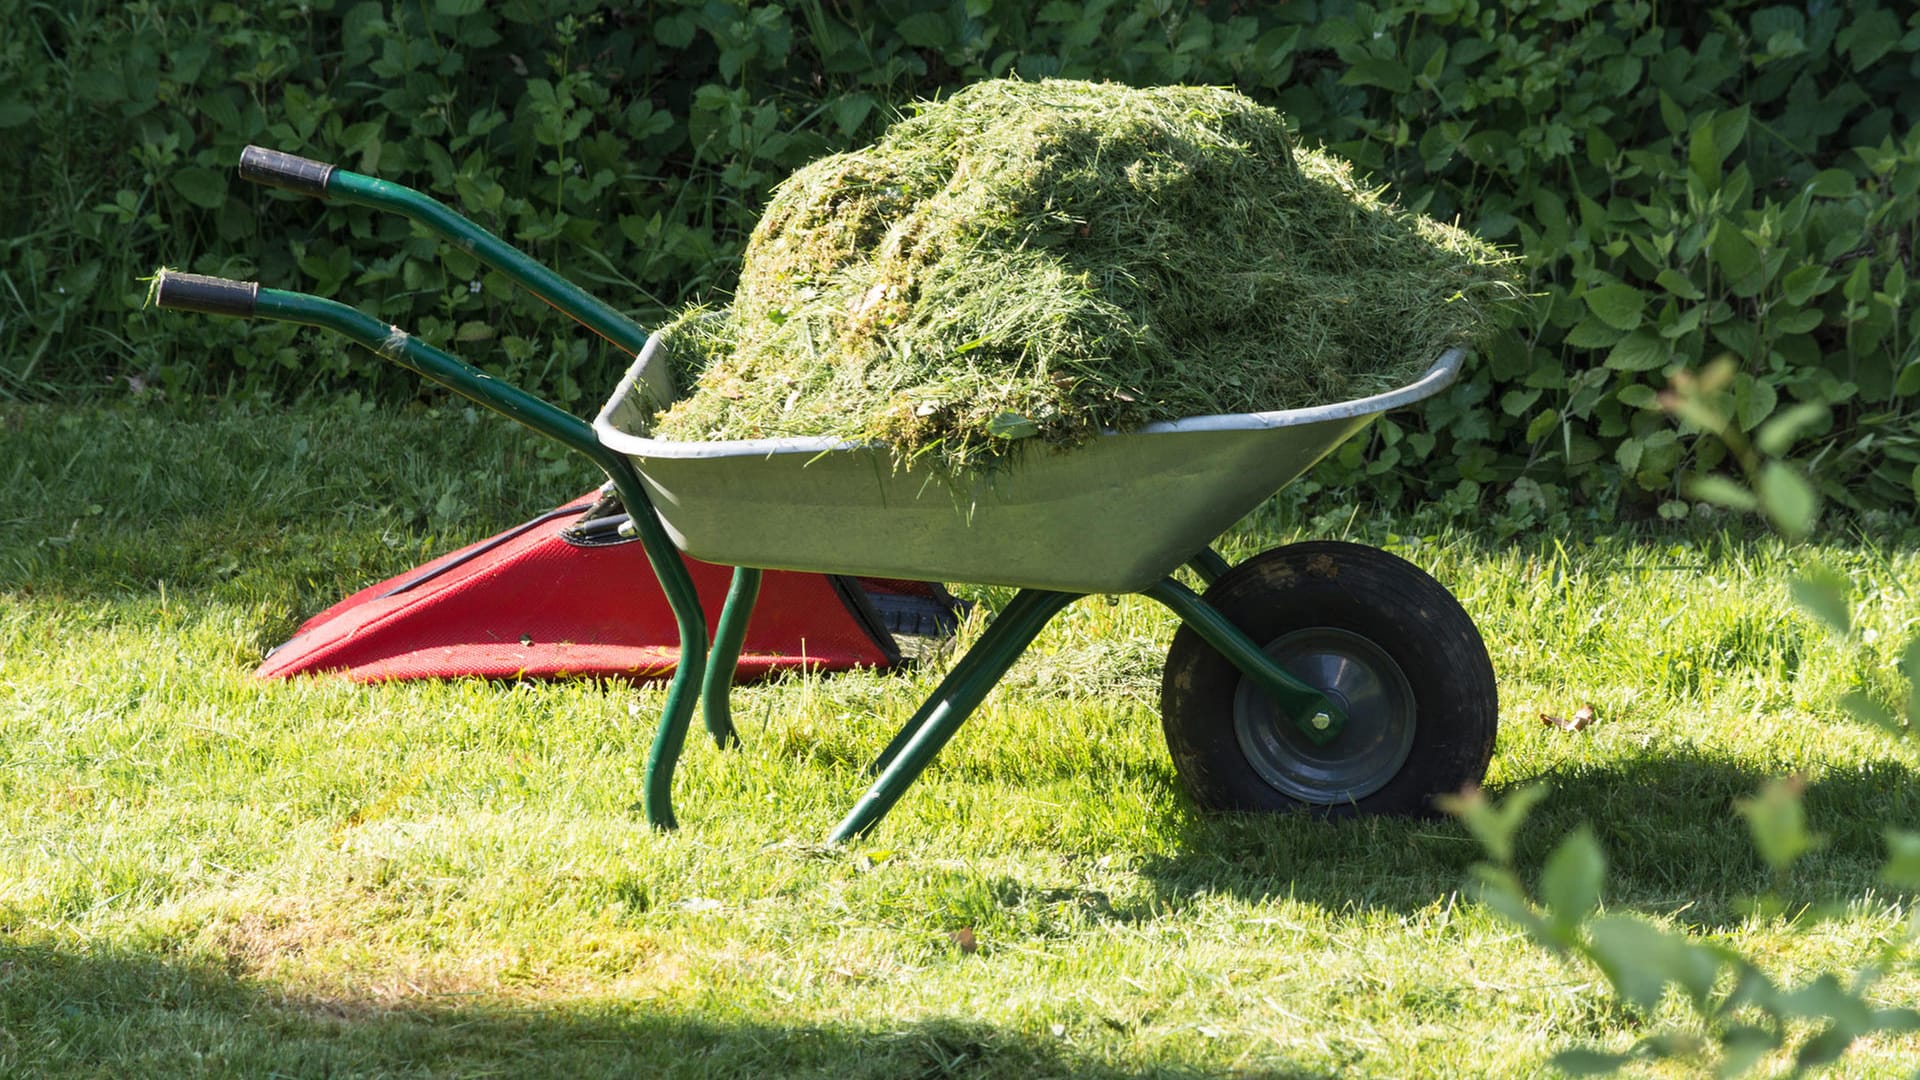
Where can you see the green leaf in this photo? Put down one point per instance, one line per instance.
(102, 86)
(1859, 286)
(1377, 71)
(1704, 158)
(1627, 454)
(1824, 998)
(14, 113)
(1803, 283)
(1737, 258)
(1753, 401)
(1902, 868)
(1679, 285)
(1788, 499)
(1781, 432)
(927, 30)
(1550, 419)
(1591, 333)
(1868, 37)
(1618, 306)
(1721, 491)
(1640, 351)
(674, 31)
(1500, 890)
(1515, 402)
(1011, 425)
(201, 187)
(1571, 880)
(1777, 821)
(1640, 960)
(1909, 379)
(1730, 130)
(1686, 323)
(1794, 323)
(1825, 593)
(851, 111)
(1711, 142)
(1870, 712)
(1639, 396)
(1672, 115)
(1833, 184)
(458, 7)
(1494, 825)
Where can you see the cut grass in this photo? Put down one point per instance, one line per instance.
(204, 874)
(1042, 261)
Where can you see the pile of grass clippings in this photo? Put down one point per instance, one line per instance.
(1037, 261)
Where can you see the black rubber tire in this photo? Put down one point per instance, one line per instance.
(1426, 709)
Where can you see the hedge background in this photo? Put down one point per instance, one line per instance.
(1685, 183)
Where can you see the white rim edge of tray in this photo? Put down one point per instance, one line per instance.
(1437, 378)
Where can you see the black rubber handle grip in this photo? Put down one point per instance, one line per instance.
(207, 295)
(290, 171)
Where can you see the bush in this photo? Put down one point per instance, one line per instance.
(1684, 182)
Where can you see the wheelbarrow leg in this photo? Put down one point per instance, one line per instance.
(957, 696)
(729, 634)
(1209, 565)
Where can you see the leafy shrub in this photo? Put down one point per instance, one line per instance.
(1685, 181)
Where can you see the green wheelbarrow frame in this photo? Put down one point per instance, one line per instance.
(705, 670)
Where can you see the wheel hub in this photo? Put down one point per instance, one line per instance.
(1365, 683)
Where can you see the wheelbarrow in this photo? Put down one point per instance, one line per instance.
(1331, 678)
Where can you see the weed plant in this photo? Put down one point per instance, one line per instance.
(1046, 260)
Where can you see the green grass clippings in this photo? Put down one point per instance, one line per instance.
(1044, 260)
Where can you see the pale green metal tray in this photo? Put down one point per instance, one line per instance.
(1115, 515)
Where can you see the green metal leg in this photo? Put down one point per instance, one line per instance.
(670, 735)
(1209, 565)
(716, 691)
(958, 695)
(1317, 716)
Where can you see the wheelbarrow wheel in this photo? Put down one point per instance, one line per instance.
(1375, 633)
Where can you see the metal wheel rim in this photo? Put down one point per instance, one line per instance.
(1365, 682)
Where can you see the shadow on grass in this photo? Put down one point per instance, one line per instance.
(128, 1013)
(115, 501)
(1673, 839)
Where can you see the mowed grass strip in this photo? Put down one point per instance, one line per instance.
(201, 873)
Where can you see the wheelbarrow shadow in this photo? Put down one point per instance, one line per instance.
(1673, 840)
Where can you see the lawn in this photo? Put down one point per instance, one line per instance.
(203, 874)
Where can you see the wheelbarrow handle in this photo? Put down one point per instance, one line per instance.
(276, 168)
(294, 173)
(207, 295)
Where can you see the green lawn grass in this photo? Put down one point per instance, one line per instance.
(205, 874)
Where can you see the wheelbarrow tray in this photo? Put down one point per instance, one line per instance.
(1114, 515)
